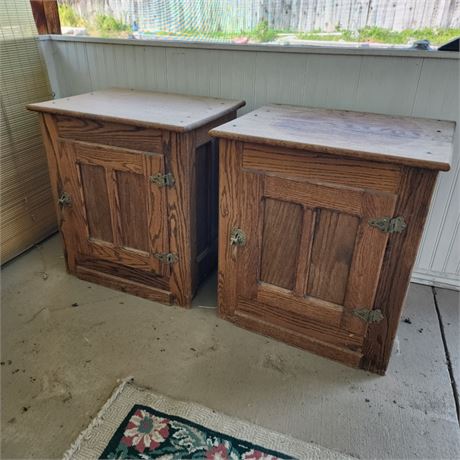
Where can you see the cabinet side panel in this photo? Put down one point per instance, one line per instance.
(413, 204)
(179, 151)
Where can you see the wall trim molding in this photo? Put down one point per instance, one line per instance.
(438, 279)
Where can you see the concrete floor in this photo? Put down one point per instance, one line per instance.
(65, 342)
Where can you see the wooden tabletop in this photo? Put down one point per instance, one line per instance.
(174, 112)
(418, 142)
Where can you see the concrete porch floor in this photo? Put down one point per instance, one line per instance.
(65, 342)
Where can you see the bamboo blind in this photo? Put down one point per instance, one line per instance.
(26, 208)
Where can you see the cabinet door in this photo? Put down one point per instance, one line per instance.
(120, 215)
(310, 258)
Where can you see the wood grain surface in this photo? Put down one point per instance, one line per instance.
(108, 133)
(280, 242)
(409, 141)
(133, 196)
(229, 218)
(331, 255)
(172, 112)
(321, 168)
(56, 163)
(413, 203)
(94, 187)
(46, 16)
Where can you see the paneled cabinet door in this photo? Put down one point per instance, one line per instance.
(119, 214)
(310, 257)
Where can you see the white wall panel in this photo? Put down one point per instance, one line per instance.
(396, 85)
(332, 81)
(388, 85)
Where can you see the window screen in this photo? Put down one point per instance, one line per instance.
(379, 23)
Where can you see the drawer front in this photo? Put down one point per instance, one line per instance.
(108, 133)
(321, 168)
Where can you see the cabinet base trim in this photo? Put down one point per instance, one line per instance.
(347, 357)
(123, 285)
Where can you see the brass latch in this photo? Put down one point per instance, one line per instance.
(370, 316)
(237, 237)
(388, 224)
(163, 180)
(166, 257)
(65, 200)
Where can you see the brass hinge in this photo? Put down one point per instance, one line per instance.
(166, 257)
(163, 180)
(388, 224)
(237, 237)
(65, 200)
(370, 316)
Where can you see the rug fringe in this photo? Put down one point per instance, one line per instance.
(76, 446)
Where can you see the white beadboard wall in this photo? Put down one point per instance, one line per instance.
(391, 84)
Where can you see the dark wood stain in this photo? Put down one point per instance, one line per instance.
(109, 133)
(46, 16)
(123, 271)
(132, 192)
(206, 208)
(331, 256)
(96, 202)
(280, 243)
(413, 203)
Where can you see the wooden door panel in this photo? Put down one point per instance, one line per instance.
(342, 199)
(310, 250)
(331, 255)
(309, 307)
(132, 192)
(367, 260)
(157, 212)
(129, 257)
(109, 133)
(108, 157)
(291, 321)
(122, 213)
(97, 206)
(280, 242)
(252, 211)
(322, 168)
(304, 258)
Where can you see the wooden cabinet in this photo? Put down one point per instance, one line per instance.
(321, 213)
(134, 177)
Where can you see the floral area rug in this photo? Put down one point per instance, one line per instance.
(138, 424)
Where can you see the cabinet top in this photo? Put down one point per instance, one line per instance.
(418, 142)
(175, 112)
